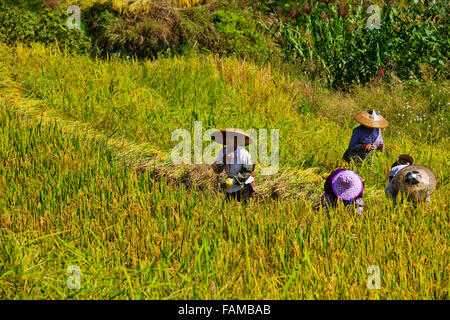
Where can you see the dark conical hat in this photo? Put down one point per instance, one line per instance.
(231, 132)
(405, 158)
(371, 119)
(416, 181)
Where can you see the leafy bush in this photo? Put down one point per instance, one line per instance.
(47, 26)
(139, 33)
(32, 5)
(238, 34)
(419, 35)
(162, 28)
(97, 18)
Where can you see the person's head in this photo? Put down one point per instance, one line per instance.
(403, 159)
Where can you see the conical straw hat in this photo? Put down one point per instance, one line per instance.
(416, 181)
(371, 119)
(220, 136)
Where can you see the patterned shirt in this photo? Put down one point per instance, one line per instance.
(241, 157)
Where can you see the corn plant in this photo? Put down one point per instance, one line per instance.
(334, 41)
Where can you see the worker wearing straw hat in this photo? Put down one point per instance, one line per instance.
(345, 185)
(401, 162)
(415, 182)
(236, 162)
(366, 138)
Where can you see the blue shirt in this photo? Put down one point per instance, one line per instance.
(364, 135)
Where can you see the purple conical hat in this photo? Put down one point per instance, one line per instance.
(347, 185)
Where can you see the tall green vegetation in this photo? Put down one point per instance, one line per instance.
(328, 40)
(32, 5)
(334, 41)
(143, 31)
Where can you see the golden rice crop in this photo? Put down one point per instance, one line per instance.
(69, 127)
(188, 3)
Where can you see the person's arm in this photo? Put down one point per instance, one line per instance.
(246, 168)
(359, 205)
(244, 174)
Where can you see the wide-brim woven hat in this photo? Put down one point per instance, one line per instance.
(371, 119)
(347, 185)
(220, 136)
(417, 181)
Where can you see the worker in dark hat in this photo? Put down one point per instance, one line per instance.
(401, 162)
(237, 163)
(366, 138)
(414, 182)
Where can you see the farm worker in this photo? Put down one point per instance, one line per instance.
(402, 161)
(415, 182)
(366, 138)
(345, 185)
(237, 163)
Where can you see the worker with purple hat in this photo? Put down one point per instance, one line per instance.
(345, 185)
